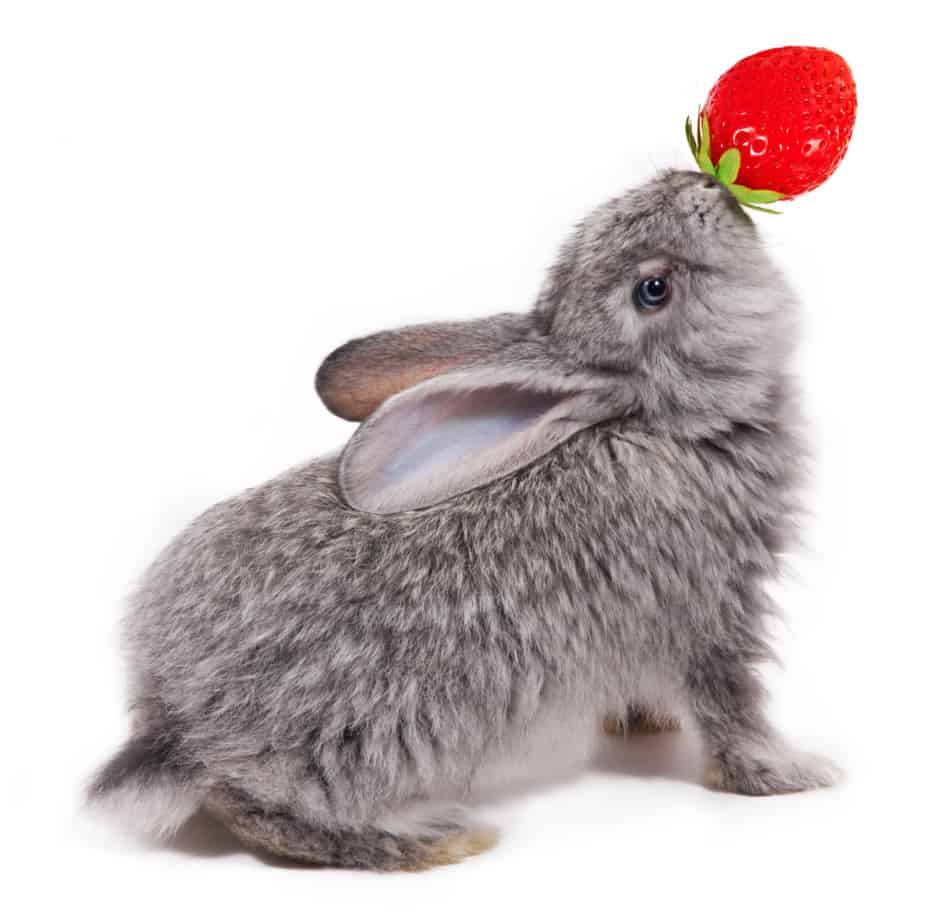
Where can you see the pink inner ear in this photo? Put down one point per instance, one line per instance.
(456, 428)
(436, 441)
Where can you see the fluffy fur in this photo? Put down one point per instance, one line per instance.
(322, 677)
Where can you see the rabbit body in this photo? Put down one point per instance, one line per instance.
(331, 681)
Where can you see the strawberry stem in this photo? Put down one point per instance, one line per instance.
(726, 171)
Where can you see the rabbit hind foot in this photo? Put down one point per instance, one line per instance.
(410, 841)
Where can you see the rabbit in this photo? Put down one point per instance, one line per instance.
(542, 518)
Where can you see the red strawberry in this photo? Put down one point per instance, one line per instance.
(779, 121)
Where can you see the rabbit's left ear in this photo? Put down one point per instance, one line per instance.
(458, 431)
(359, 376)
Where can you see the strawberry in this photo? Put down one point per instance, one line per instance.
(779, 120)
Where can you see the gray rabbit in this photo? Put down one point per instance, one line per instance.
(543, 518)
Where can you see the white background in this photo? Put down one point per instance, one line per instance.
(199, 200)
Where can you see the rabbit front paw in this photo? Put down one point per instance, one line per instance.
(762, 770)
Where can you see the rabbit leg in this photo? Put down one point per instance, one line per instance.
(410, 840)
(746, 755)
(640, 720)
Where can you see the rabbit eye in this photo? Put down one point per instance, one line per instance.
(652, 294)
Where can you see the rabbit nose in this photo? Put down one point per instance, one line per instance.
(711, 187)
(710, 191)
(704, 197)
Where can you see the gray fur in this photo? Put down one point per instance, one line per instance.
(321, 673)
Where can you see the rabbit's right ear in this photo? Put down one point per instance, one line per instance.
(362, 374)
(464, 429)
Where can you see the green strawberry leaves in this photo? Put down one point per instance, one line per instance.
(755, 195)
(726, 170)
(702, 153)
(699, 144)
(754, 198)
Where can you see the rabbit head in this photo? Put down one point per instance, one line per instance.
(662, 307)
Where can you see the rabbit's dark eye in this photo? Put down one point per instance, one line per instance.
(652, 294)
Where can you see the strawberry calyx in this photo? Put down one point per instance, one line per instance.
(726, 171)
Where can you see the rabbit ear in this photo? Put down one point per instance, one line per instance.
(356, 378)
(459, 431)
